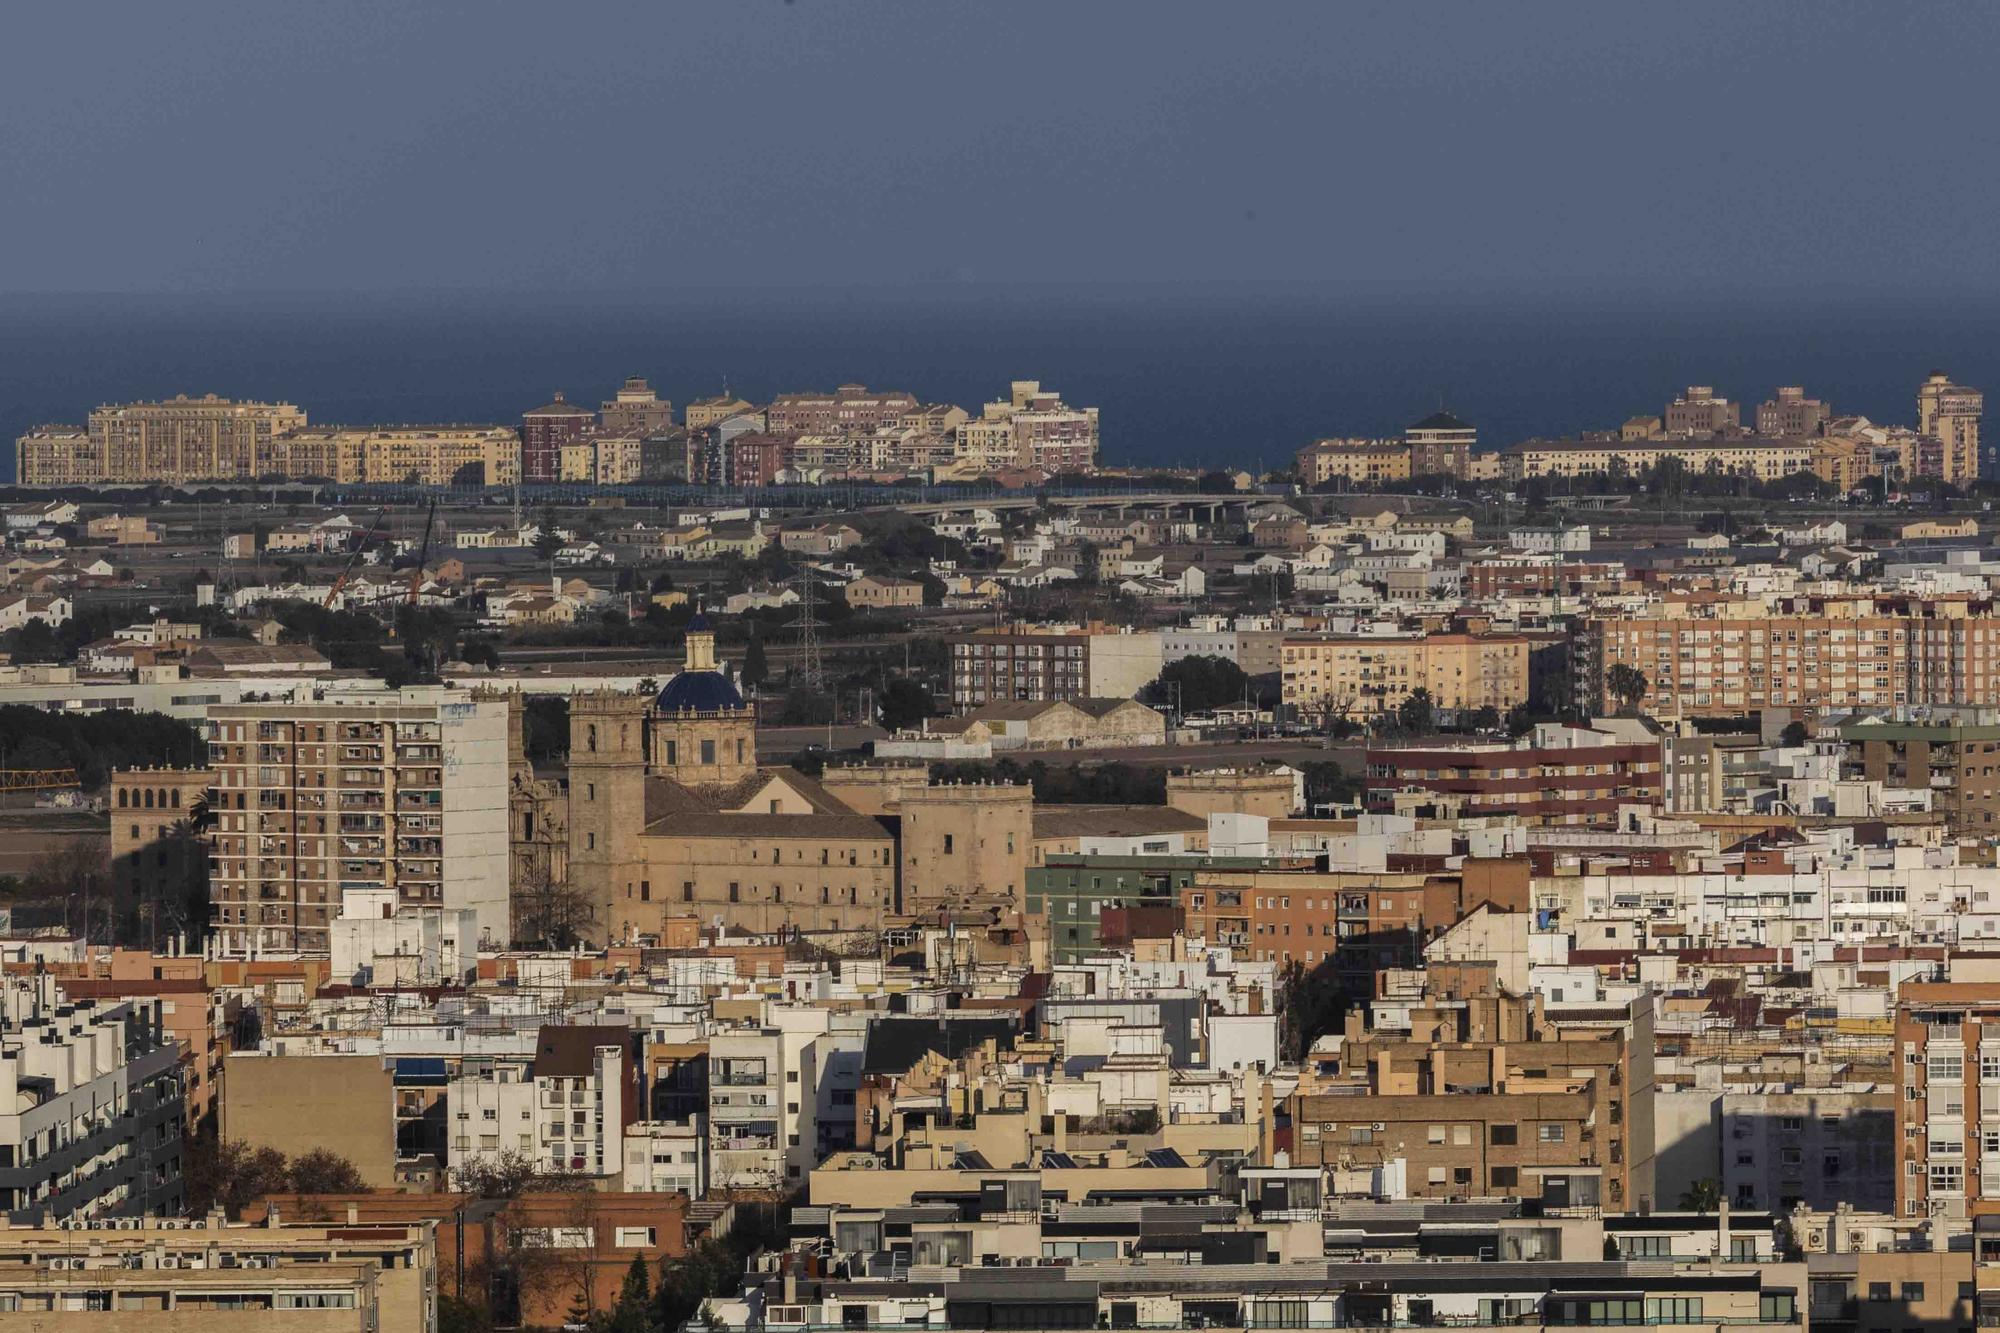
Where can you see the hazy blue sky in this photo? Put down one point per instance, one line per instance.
(307, 146)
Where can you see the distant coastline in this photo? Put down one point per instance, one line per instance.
(1197, 375)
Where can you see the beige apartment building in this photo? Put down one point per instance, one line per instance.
(57, 456)
(334, 790)
(1361, 676)
(1484, 1098)
(178, 440)
(1761, 459)
(1031, 428)
(1355, 462)
(423, 455)
(1949, 414)
(706, 412)
(1720, 658)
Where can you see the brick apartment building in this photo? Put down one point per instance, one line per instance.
(1554, 775)
(544, 432)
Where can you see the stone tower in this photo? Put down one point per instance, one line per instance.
(607, 799)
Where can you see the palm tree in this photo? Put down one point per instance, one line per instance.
(1627, 684)
(1703, 1196)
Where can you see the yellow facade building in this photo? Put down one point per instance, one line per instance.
(1356, 462)
(1762, 459)
(1334, 675)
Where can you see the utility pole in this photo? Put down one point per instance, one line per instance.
(810, 669)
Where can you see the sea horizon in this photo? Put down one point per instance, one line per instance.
(1189, 374)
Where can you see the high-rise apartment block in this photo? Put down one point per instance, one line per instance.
(1031, 428)
(544, 432)
(1948, 1098)
(355, 789)
(1792, 413)
(1948, 419)
(1440, 445)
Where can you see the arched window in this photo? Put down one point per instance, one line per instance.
(176, 795)
(122, 794)
(149, 798)
(590, 737)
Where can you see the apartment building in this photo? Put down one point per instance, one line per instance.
(1328, 676)
(1031, 428)
(1792, 413)
(1441, 445)
(421, 455)
(378, 1278)
(57, 456)
(544, 432)
(1725, 657)
(1947, 1060)
(1483, 1097)
(1049, 662)
(1948, 420)
(851, 409)
(1357, 463)
(713, 411)
(1555, 774)
(173, 441)
(761, 1108)
(1758, 459)
(1700, 412)
(92, 1106)
(1348, 925)
(1957, 760)
(1545, 575)
(346, 788)
(636, 411)
(565, 1108)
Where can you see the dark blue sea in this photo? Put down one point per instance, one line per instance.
(1216, 375)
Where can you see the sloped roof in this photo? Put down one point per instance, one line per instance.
(1442, 421)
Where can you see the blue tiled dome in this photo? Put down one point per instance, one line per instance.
(699, 692)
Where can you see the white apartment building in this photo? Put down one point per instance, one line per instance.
(92, 1107)
(567, 1107)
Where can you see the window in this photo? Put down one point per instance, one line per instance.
(1549, 1133)
(635, 1237)
(1912, 1292)
(1673, 1309)
(1506, 1177)
(1502, 1135)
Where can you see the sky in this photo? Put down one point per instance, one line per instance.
(245, 148)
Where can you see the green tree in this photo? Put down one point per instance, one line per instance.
(906, 703)
(633, 1313)
(1199, 684)
(756, 667)
(547, 540)
(1483, 719)
(323, 1171)
(1627, 684)
(1702, 1196)
(1794, 734)
(1417, 714)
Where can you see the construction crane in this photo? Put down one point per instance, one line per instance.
(354, 555)
(423, 553)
